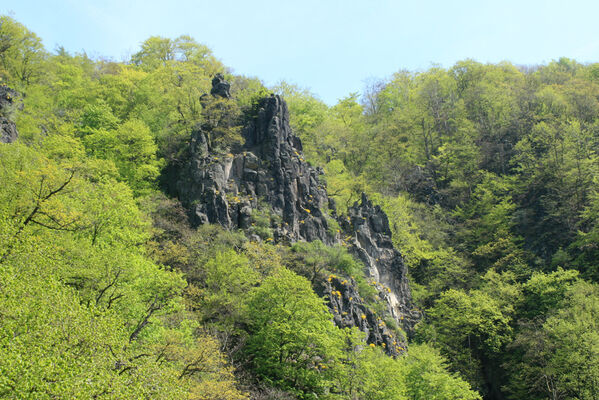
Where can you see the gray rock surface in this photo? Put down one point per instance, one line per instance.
(8, 129)
(8, 99)
(270, 170)
(349, 310)
(370, 241)
(220, 87)
(269, 175)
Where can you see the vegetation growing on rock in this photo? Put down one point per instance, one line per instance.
(162, 240)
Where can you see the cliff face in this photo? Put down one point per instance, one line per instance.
(349, 310)
(270, 170)
(8, 129)
(371, 243)
(269, 173)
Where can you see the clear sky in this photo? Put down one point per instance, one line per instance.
(328, 46)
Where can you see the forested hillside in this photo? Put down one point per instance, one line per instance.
(489, 176)
(130, 268)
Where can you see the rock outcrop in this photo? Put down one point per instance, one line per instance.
(269, 175)
(349, 310)
(8, 129)
(371, 243)
(8, 98)
(220, 87)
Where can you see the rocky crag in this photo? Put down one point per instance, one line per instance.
(269, 174)
(349, 310)
(371, 243)
(8, 129)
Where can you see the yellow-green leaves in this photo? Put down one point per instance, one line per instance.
(133, 150)
(293, 343)
(21, 54)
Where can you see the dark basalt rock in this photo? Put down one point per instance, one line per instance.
(220, 87)
(371, 243)
(270, 168)
(8, 98)
(349, 310)
(8, 129)
(270, 173)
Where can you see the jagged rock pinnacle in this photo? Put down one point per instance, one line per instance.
(269, 175)
(270, 168)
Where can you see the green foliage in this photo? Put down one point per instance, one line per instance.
(83, 308)
(248, 92)
(221, 124)
(307, 112)
(293, 343)
(228, 277)
(420, 374)
(544, 292)
(333, 227)
(98, 116)
(158, 51)
(573, 333)
(200, 361)
(343, 186)
(468, 327)
(375, 376)
(21, 54)
(559, 356)
(54, 346)
(488, 174)
(583, 249)
(426, 376)
(132, 149)
(96, 315)
(315, 260)
(262, 221)
(434, 267)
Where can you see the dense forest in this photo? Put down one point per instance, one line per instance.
(110, 289)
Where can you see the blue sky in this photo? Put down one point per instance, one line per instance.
(331, 47)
